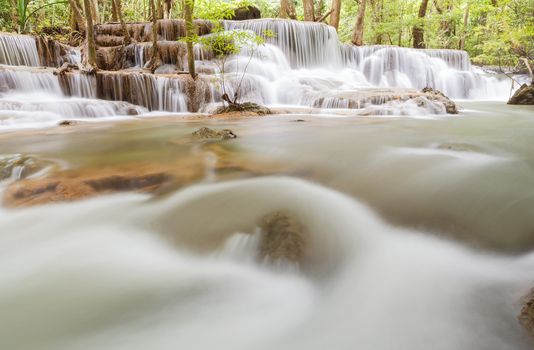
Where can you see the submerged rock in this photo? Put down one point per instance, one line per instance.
(19, 166)
(282, 238)
(436, 95)
(523, 96)
(67, 123)
(526, 318)
(207, 133)
(72, 186)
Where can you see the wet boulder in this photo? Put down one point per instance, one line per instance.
(526, 318)
(523, 96)
(19, 166)
(282, 238)
(207, 133)
(249, 107)
(245, 13)
(438, 96)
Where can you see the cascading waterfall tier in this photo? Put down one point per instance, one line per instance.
(173, 93)
(37, 96)
(305, 44)
(315, 46)
(18, 50)
(302, 64)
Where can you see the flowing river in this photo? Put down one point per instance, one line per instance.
(418, 227)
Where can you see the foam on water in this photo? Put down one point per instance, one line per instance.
(123, 272)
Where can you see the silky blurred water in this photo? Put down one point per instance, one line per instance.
(418, 231)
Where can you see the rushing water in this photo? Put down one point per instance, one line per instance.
(131, 272)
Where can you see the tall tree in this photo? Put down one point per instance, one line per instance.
(155, 60)
(167, 8)
(418, 31)
(357, 33)
(336, 11)
(287, 9)
(91, 47)
(118, 6)
(190, 32)
(309, 12)
(114, 14)
(94, 11)
(464, 29)
(76, 14)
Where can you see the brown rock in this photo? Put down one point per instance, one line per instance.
(282, 238)
(67, 123)
(523, 96)
(20, 166)
(207, 133)
(436, 95)
(526, 318)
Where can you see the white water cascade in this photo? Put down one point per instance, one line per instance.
(18, 50)
(33, 96)
(142, 274)
(314, 52)
(302, 65)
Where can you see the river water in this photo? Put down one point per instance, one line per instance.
(418, 232)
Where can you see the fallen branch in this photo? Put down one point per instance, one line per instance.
(323, 17)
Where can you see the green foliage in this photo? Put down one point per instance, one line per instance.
(497, 32)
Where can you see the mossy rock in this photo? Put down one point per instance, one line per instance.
(244, 107)
(523, 96)
(19, 166)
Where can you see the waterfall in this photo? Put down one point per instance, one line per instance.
(29, 80)
(306, 44)
(302, 64)
(155, 92)
(316, 47)
(18, 50)
(36, 97)
(80, 85)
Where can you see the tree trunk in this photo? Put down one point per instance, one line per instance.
(190, 31)
(114, 15)
(155, 60)
(309, 14)
(118, 6)
(91, 48)
(159, 7)
(167, 8)
(94, 11)
(464, 31)
(287, 9)
(357, 34)
(418, 30)
(336, 11)
(319, 9)
(72, 21)
(77, 14)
